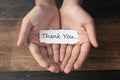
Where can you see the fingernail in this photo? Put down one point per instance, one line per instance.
(67, 71)
(57, 71)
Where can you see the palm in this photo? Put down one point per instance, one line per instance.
(42, 17)
(75, 18)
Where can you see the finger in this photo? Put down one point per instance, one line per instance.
(90, 27)
(33, 37)
(50, 55)
(67, 56)
(56, 52)
(35, 50)
(24, 32)
(62, 51)
(52, 67)
(50, 52)
(73, 58)
(85, 48)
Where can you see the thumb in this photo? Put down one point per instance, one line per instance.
(24, 32)
(90, 27)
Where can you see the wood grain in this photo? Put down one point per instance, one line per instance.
(12, 58)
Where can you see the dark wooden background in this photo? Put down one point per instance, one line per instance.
(107, 18)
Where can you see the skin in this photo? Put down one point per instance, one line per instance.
(74, 17)
(43, 16)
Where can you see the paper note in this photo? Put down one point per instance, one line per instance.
(58, 36)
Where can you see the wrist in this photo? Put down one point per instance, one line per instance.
(47, 2)
(72, 2)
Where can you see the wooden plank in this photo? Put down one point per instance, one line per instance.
(76, 75)
(106, 57)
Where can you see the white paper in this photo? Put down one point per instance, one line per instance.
(58, 36)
